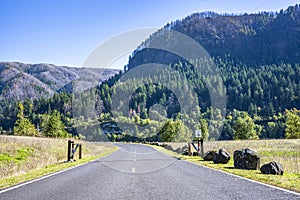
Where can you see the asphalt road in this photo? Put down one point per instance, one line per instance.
(140, 172)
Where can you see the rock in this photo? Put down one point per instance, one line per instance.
(178, 150)
(222, 157)
(274, 167)
(246, 159)
(210, 155)
(195, 153)
(169, 147)
(163, 145)
(185, 148)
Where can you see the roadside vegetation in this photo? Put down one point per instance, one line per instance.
(286, 152)
(26, 158)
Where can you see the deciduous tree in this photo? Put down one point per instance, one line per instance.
(292, 130)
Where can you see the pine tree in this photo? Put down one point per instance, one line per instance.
(54, 127)
(23, 126)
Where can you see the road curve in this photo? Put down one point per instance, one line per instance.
(141, 172)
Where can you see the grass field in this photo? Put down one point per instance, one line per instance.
(25, 158)
(286, 152)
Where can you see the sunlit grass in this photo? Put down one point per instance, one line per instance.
(285, 151)
(25, 158)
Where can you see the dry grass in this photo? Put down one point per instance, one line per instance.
(286, 151)
(19, 155)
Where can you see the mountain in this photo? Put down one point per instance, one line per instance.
(31, 81)
(255, 39)
(258, 58)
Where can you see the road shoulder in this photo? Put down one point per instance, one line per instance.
(50, 170)
(287, 182)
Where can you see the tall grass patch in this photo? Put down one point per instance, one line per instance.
(20, 154)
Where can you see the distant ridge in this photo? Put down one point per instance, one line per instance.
(30, 81)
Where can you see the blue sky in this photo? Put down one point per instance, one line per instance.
(65, 32)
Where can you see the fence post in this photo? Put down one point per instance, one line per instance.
(80, 151)
(198, 149)
(72, 147)
(202, 147)
(69, 149)
(73, 152)
(189, 149)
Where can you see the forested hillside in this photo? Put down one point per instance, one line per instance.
(258, 57)
(253, 39)
(43, 89)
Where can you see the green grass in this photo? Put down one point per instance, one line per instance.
(287, 152)
(26, 158)
(290, 181)
(10, 181)
(21, 155)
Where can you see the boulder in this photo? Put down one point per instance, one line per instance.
(246, 159)
(163, 145)
(222, 157)
(274, 167)
(178, 150)
(185, 148)
(210, 155)
(195, 153)
(169, 147)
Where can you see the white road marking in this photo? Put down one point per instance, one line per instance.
(41, 178)
(250, 180)
(49, 175)
(134, 160)
(133, 170)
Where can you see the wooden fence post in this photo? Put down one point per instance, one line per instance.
(72, 147)
(73, 152)
(202, 147)
(80, 151)
(69, 149)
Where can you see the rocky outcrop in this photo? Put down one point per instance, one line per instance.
(246, 159)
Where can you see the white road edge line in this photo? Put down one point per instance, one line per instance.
(39, 179)
(49, 175)
(265, 184)
(261, 183)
